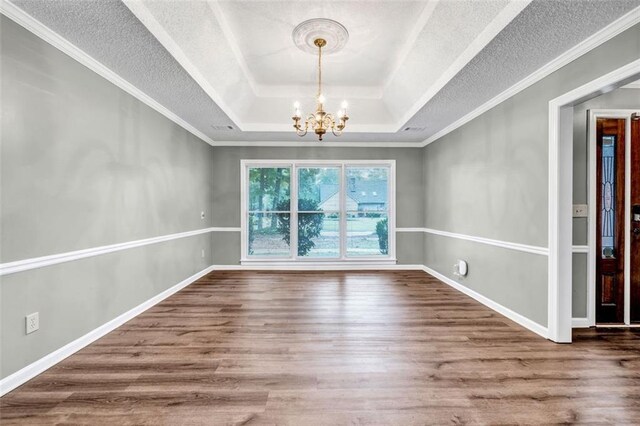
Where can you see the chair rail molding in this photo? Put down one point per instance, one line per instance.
(54, 259)
(526, 248)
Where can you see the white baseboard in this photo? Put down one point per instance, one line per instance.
(302, 266)
(513, 316)
(580, 323)
(30, 371)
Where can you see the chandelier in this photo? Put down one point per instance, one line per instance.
(320, 121)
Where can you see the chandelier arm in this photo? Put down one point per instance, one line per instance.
(299, 130)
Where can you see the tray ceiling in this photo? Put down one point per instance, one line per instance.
(422, 64)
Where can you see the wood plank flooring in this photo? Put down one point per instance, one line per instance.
(328, 348)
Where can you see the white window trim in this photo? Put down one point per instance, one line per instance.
(293, 258)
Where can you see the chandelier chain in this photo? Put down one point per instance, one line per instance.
(319, 70)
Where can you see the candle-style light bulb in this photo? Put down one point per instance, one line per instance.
(321, 99)
(344, 105)
(296, 105)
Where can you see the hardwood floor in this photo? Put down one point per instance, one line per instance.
(315, 348)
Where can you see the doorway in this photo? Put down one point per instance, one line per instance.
(634, 251)
(559, 314)
(616, 230)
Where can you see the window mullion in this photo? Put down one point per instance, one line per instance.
(293, 228)
(343, 213)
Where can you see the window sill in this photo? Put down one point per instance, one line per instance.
(319, 263)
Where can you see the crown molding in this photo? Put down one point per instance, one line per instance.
(317, 144)
(34, 26)
(214, 5)
(405, 49)
(607, 33)
(141, 12)
(501, 20)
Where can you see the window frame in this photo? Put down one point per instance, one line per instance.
(295, 165)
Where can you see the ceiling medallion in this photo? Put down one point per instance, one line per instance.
(323, 36)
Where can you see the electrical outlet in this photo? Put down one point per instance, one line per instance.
(203, 253)
(32, 322)
(201, 215)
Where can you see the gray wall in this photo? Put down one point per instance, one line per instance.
(84, 164)
(489, 179)
(409, 198)
(617, 99)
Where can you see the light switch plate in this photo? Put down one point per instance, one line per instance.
(580, 210)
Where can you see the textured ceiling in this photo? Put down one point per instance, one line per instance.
(108, 31)
(376, 29)
(543, 31)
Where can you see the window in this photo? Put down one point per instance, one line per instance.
(608, 196)
(318, 210)
(269, 211)
(367, 216)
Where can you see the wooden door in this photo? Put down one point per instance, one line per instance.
(635, 220)
(610, 221)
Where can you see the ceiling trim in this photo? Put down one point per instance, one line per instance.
(634, 85)
(499, 23)
(141, 12)
(607, 33)
(245, 124)
(25, 20)
(317, 144)
(425, 15)
(214, 5)
(34, 26)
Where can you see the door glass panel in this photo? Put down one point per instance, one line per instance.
(608, 191)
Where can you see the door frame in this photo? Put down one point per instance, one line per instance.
(560, 205)
(593, 117)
